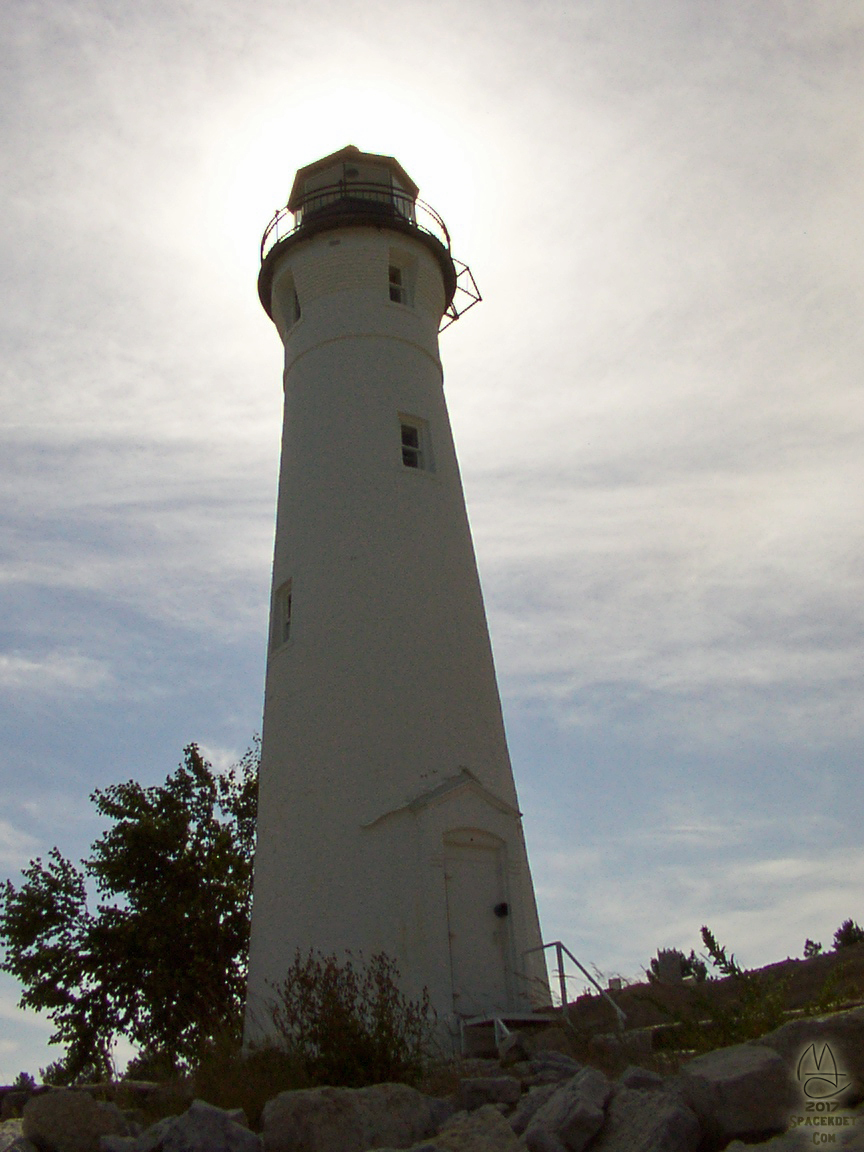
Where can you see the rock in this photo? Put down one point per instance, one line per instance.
(551, 1067)
(513, 1050)
(635, 1077)
(484, 1130)
(69, 1121)
(530, 1103)
(13, 1103)
(630, 1045)
(549, 1040)
(743, 1092)
(149, 1141)
(648, 1121)
(476, 1092)
(427, 1147)
(547, 1057)
(10, 1130)
(348, 1119)
(571, 1116)
(476, 1066)
(795, 1141)
(202, 1128)
(205, 1128)
(841, 1129)
(22, 1144)
(843, 1032)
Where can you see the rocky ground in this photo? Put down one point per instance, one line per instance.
(756, 1095)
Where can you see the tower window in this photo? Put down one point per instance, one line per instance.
(397, 288)
(281, 624)
(289, 302)
(416, 449)
(412, 453)
(401, 276)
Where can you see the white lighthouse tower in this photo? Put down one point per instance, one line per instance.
(388, 819)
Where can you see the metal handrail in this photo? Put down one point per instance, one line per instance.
(349, 196)
(560, 949)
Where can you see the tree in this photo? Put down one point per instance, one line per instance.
(163, 958)
(675, 960)
(847, 934)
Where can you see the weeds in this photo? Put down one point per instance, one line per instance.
(758, 1005)
(351, 1025)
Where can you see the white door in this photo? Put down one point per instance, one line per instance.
(478, 920)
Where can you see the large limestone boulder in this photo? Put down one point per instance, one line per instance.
(202, 1128)
(69, 1121)
(572, 1116)
(348, 1119)
(22, 1144)
(551, 1067)
(531, 1103)
(10, 1130)
(645, 1120)
(786, 1142)
(484, 1130)
(843, 1032)
(743, 1092)
(476, 1091)
(636, 1077)
(799, 1139)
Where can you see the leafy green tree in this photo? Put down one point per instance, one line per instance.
(162, 960)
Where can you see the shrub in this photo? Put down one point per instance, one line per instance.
(847, 934)
(757, 1007)
(229, 1078)
(811, 949)
(351, 1025)
(687, 965)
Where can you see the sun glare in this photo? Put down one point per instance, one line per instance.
(253, 162)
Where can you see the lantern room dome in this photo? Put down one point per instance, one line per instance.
(350, 189)
(358, 174)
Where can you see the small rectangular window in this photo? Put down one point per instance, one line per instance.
(415, 443)
(397, 288)
(401, 277)
(412, 453)
(281, 624)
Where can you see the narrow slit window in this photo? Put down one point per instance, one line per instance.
(397, 285)
(413, 455)
(289, 302)
(282, 615)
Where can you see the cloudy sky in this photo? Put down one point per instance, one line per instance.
(657, 408)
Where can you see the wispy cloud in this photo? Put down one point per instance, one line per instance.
(657, 411)
(618, 908)
(16, 846)
(52, 673)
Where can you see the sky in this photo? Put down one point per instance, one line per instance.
(657, 409)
